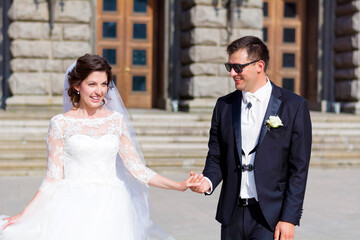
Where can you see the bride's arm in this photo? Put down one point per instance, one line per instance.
(54, 172)
(137, 168)
(163, 182)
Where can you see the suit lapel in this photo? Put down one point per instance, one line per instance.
(272, 109)
(236, 118)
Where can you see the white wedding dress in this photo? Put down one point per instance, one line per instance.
(82, 196)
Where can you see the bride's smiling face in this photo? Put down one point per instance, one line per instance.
(93, 90)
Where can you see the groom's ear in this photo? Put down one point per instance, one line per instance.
(260, 66)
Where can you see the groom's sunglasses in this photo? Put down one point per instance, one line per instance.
(238, 67)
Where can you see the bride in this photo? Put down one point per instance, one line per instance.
(96, 181)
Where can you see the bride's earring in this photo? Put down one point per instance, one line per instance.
(78, 92)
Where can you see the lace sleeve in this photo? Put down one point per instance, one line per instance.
(131, 158)
(55, 161)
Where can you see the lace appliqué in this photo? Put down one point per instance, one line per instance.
(131, 158)
(55, 161)
(91, 154)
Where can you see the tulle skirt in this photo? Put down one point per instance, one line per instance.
(75, 210)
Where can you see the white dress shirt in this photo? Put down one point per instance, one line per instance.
(250, 130)
(252, 120)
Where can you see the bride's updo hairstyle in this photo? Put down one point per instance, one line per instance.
(86, 65)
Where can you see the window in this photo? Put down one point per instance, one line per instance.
(289, 60)
(109, 6)
(139, 57)
(290, 10)
(265, 34)
(288, 83)
(265, 9)
(140, 6)
(110, 55)
(139, 31)
(139, 84)
(109, 30)
(289, 35)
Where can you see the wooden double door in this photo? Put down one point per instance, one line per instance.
(125, 33)
(283, 31)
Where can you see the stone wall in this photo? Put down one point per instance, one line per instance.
(40, 56)
(204, 39)
(347, 54)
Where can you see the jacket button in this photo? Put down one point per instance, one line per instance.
(239, 166)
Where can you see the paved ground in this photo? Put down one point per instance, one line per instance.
(331, 211)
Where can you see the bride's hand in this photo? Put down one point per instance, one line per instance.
(11, 220)
(190, 182)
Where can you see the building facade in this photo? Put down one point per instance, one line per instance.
(170, 54)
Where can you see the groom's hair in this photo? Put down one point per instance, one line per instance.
(85, 65)
(256, 49)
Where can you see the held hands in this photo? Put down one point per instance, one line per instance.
(188, 183)
(204, 185)
(284, 231)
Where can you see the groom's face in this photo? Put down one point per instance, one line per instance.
(247, 79)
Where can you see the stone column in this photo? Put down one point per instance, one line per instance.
(347, 55)
(40, 56)
(204, 39)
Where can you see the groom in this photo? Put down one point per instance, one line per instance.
(259, 146)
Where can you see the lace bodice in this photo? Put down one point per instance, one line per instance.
(86, 149)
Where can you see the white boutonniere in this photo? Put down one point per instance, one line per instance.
(273, 122)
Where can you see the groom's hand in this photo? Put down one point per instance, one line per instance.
(284, 231)
(199, 178)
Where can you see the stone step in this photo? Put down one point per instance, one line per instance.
(38, 167)
(10, 164)
(171, 153)
(336, 132)
(331, 117)
(9, 133)
(138, 124)
(23, 155)
(173, 121)
(331, 154)
(172, 132)
(151, 131)
(182, 117)
(141, 139)
(335, 162)
(23, 131)
(30, 154)
(173, 139)
(16, 147)
(22, 164)
(135, 114)
(156, 114)
(175, 162)
(336, 147)
(329, 135)
(6, 146)
(166, 131)
(23, 172)
(16, 136)
(353, 139)
(332, 125)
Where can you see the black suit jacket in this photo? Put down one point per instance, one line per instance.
(281, 162)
